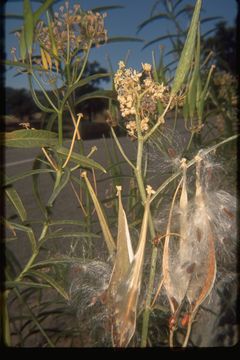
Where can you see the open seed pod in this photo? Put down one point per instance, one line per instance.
(202, 238)
(177, 252)
(125, 283)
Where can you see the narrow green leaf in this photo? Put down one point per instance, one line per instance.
(53, 262)
(203, 95)
(186, 110)
(16, 202)
(187, 52)
(184, 10)
(152, 19)
(12, 284)
(72, 234)
(102, 218)
(81, 83)
(28, 138)
(22, 46)
(80, 159)
(34, 318)
(114, 39)
(50, 121)
(35, 177)
(160, 38)
(27, 230)
(101, 94)
(208, 33)
(13, 16)
(107, 8)
(12, 179)
(211, 18)
(28, 25)
(41, 9)
(67, 222)
(155, 72)
(192, 92)
(50, 281)
(63, 182)
(35, 98)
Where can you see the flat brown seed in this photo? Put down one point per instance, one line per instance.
(228, 213)
(191, 268)
(199, 234)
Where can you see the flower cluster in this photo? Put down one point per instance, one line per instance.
(138, 95)
(73, 28)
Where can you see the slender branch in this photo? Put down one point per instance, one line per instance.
(74, 123)
(54, 166)
(44, 92)
(157, 292)
(84, 62)
(60, 128)
(78, 198)
(121, 149)
(159, 122)
(73, 140)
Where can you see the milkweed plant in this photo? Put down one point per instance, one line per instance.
(152, 249)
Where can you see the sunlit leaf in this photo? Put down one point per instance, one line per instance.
(35, 180)
(12, 179)
(28, 231)
(63, 182)
(100, 94)
(82, 160)
(22, 45)
(16, 202)
(42, 9)
(29, 138)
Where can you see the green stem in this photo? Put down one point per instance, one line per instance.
(121, 149)
(158, 123)
(190, 140)
(146, 313)
(60, 128)
(147, 309)
(138, 174)
(68, 73)
(84, 62)
(34, 255)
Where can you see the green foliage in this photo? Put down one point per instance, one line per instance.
(105, 268)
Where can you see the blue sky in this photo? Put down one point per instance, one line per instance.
(122, 22)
